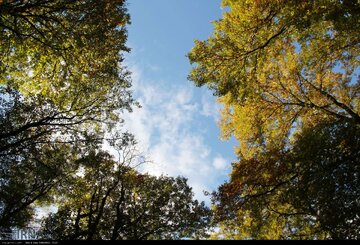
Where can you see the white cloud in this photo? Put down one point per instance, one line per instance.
(209, 107)
(220, 163)
(165, 129)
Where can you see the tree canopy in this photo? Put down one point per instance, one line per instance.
(112, 201)
(273, 65)
(55, 57)
(309, 191)
(63, 87)
(57, 54)
(286, 73)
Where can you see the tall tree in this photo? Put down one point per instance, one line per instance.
(275, 66)
(66, 58)
(288, 79)
(309, 191)
(62, 84)
(113, 201)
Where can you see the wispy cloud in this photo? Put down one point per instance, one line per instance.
(154, 68)
(166, 129)
(208, 106)
(220, 163)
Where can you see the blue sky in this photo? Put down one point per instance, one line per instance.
(177, 124)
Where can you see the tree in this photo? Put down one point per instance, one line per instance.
(276, 67)
(31, 154)
(57, 54)
(310, 191)
(287, 76)
(329, 184)
(114, 201)
(62, 88)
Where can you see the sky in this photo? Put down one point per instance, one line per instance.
(177, 125)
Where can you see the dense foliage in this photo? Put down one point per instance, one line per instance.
(287, 75)
(55, 55)
(114, 202)
(63, 87)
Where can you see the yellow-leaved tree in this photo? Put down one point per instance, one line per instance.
(287, 74)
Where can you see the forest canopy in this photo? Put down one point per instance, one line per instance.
(286, 73)
(63, 89)
(55, 55)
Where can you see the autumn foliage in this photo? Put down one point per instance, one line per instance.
(286, 73)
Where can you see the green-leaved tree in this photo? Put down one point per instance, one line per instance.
(113, 201)
(62, 86)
